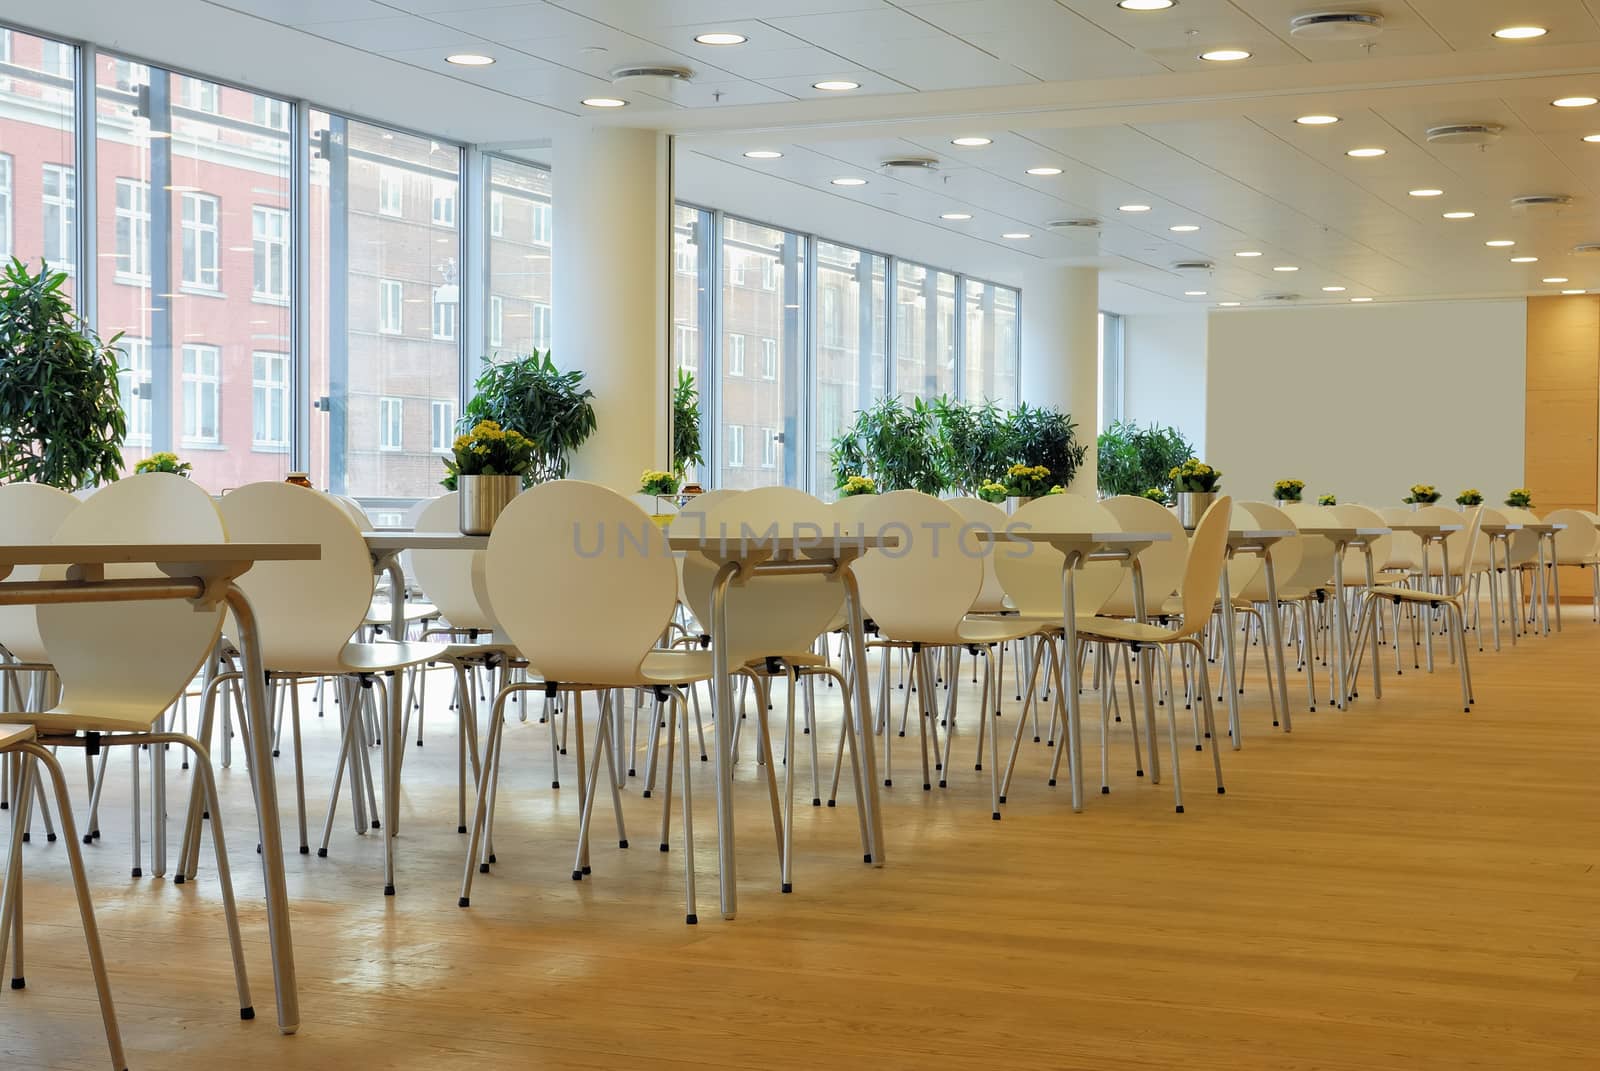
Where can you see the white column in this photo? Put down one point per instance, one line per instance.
(1060, 352)
(611, 191)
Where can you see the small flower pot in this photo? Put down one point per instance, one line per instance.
(1192, 505)
(482, 500)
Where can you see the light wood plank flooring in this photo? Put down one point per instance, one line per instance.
(1396, 886)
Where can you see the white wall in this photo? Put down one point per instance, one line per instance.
(1164, 372)
(1363, 401)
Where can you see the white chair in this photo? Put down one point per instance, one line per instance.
(1299, 584)
(1163, 564)
(582, 582)
(1577, 546)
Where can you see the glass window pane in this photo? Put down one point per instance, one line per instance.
(385, 261)
(519, 263)
(759, 390)
(38, 184)
(692, 246)
(925, 331)
(991, 356)
(851, 346)
(195, 252)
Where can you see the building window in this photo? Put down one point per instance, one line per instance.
(444, 202)
(129, 75)
(133, 228)
(60, 216)
(444, 317)
(543, 225)
(197, 94)
(769, 358)
(269, 393)
(769, 273)
(832, 324)
(391, 192)
(769, 448)
(541, 326)
(391, 418)
(269, 233)
(56, 59)
(735, 446)
(443, 426)
(133, 384)
(497, 215)
(685, 256)
(200, 245)
(736, 265)
(391, 300)
(687, 341)
(497, 315)
(5, 205)
(202, 389)
(735, 355)
(271, 113)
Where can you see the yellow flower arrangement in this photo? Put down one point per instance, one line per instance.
(1156, 494)
(1027, 481)
(657, 482)
(1423, 493)
(1195, 476)
(163, 462)
(1519, 498)
(1470, 497)
(488, 450)
(1327, 500)
(858, 485)
(1288, 490)
(992, 491)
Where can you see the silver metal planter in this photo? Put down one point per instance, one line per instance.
(482, 499)
(1192, 505)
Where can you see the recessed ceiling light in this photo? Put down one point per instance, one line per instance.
(1317, 120)
(1564, 292)
(1286, 267)
(1184, 228)
(1248, 253)
(1459, 215)
(971, 143)
(956, 215)
(1573, 102)
(1228, 304)
(720, 37)
(849, 182)
(604, 102)
(1524, 260)
(1018, 235)
(1194, 293)
(1225, 55)
(1520, 33)
(1145, 5)
(1044, 171)
(763, 154)
(1427, 193)
(836, 85)
(469, 59)
(1592, 139)
(1133, 208)
(1499, 243)
(1556, 279)
(1333, 290)
(1359, 300)
(1367, 153)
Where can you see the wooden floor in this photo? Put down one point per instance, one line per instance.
(1396, 886)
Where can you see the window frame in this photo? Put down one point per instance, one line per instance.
(391, 417)
(262, 246)
(65, 202)
(205, 236)
(275, 392)
(441, 444)
(207, 386)
(395, 289)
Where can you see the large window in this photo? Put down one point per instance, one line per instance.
(1110, 360)
(694, 272)
(753, 255)
(38, 203)
(519, 283)
(924, 331)
(851, 368)
(991, 349)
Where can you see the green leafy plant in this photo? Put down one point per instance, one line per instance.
(894, 444)
(1288, 490)
(549, 407)
(489, 450)
(1047, 437)
(1195, 477)
(974, 442)
(857, 485)
(1470, 497)
(61, 416)
(656, 482)
(163, 462)
(685, 424)
(1134, 460)
(1422, 493)
(1519, 498)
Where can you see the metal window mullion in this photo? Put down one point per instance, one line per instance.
(959, 329)
(711, 272)
(474, 275)
(891, 313)
(806, 400)
(300, 341)
(86, 190)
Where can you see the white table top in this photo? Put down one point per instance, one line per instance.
(1544, 528)
(388, 541)
(830, 546)
(1423, 529)
(1085, 543)
(153, 553)
(1501, 529)
(1343, 533)
(1263, 537)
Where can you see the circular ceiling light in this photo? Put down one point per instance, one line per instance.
(1367, 153)
(1573, 102)
(849, 182)
(1524, 260)
(1225, 55)
(1248, 253)
(1044, 171)
(1184, 228)
(1520, 33)
(1286, 267)
(604, 102)
(764, 154)
(836, 85)
(1194, 293)
(1133, 208)
(1016, 235)
(1499, 243)
(971, 143)
(1317, 120)
(1427, 193)
(1359, 300)
(469, 59)
(1145, 5)
(720, 37)
(1556, 279)
(1333, 290)
(956, 215)
(1459, 215)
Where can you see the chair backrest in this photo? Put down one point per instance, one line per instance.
(306, 611)
(1161, 563)
(921, 590)
(1577, 542)
(1244, 570)
(1524, 544)
(768, 615)
(409, 520)
(1316, 552)
(1405, 548)
(1286, 554)
(1202, 572)
(985, 516)
(1464, 557)
(691, 520)
(582, 581)
(1355, 559)
(127, 662)
(29, 513)
(1031, 573)
(453, 580)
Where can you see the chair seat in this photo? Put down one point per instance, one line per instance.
(1405, 594)
(675, 667)
(458, 652)
(379, 657)
(379, 613)
(1108, 628)
(11, 735)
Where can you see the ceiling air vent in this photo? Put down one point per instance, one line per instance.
(1337, 26)
(1465, 134)
(1539, 201)
(1193, 265)
(1280, 297)
(1073, 224)
(1587, 249)
(652, 70)
(911, 163)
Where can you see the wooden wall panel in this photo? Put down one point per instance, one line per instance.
(1562, 440)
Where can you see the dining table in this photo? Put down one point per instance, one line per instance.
(1343, 538)
(1430, 534)
(1256, 542)
(204, 574)
(387, 545)
(1549, 582)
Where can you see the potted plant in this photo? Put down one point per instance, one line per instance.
(1327, 500)
(1470, 497)
(1056, 490)
(1047, 438)
(488, 466)
(1196, 484)
(1520, 498)
(992, 491)
(686, 447)
(857, 485)
(1288, 490)
(1156, 494)
(163, 462)
(663, 487)
(972, 440)
(1135, 460)
(1024, 483)
(551, 408)
(893, 443)
(1422, 494)
(61, 418)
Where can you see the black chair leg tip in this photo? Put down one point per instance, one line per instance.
(376, 824)
(663, 847)
(926, 787)
(995, 815)
(866, 857)
(275, 753)
(1138, 773)
(586, 870)
(50, 838)
(247, 1014)
(388, 890)
(138, 872)
(483, 868)
(1036, 740)
(1002, 799)
(577, 875)
(832, 803)
(942, 783)
(1197, 747)
(888, 782)
(305, 849)
(704, 758)
(902, 732)
(1222, 790)
(461, 829)
(816, 801)
(88, 838)
(1105, 790)
(492, 859)
(465, 901)
(563, 751)
(788, 887)
(555, 784)
(177, 879)
(27, 838)
(1052, 782)
(622, 843)
(419, 743)
(19, 983)
(1180, 808)
(631, 772)
(691, 920)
